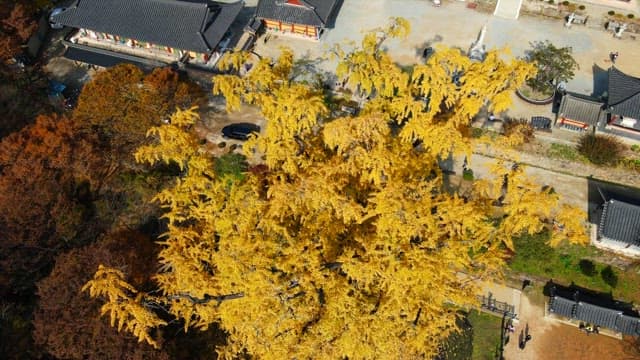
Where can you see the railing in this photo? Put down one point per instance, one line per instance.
(489, 303)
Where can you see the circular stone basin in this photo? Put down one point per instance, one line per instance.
(533, 97)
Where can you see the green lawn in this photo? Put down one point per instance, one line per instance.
(565, 152)
(561, 264)
(486, 335)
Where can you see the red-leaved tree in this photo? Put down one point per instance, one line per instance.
(67, 323)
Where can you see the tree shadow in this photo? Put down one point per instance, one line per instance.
(420, 49)
(578, 293)
(307, 69)
(599, 191)
(600, 82)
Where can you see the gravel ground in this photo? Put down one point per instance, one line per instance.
(454, 25)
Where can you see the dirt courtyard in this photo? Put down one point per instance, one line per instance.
(553, 340)
(568, 342)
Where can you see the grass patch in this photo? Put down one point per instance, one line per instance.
(486, 335)
(630, 163)
(567, 263)
(232, 165)
(467, 174)
(477, 132)
(564, 152)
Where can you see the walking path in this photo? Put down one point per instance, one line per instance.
(574, 190)
(508, 9)
(503, 293)
(455, 25)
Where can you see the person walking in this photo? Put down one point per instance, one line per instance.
(614, 56)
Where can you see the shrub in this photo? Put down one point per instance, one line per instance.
(565, 3)
(601, 149)
(467, 174)
(635, 148)
(550, 1)
(582, 7)
(609, 276)
(477, 133)
(587, 267)
(630, 163)
(232, 164)
(611, 12)
(522, 126)
(630, 16)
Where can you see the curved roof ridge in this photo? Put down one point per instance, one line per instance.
(628, 85)
(187, 25)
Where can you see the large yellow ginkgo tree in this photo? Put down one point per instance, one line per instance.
(344, 242)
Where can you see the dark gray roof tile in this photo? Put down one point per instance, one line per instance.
(597, 315)
(561, 306)
(621, 221)
(594, 314)
(624, 94)
(628, 325)
(306, 12)
(197, 26)
(581, 109)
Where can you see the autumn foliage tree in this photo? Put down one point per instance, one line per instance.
(70, 171)
(15, 28)
(344, 242)
(67, 323)
(23, 96)
(122, 103)
(46, 177)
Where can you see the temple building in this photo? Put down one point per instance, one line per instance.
(623, 103)
(306, 18)
(147, 31)
(580, 112)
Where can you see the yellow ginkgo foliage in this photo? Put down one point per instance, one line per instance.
(345, 242)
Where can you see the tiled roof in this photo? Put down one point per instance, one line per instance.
(628, 325)
(593, 314)
(197, 26)
(561, 306)
(624, 94)
(620, 221)
(304, 12)
(580, 109)
(597, 315)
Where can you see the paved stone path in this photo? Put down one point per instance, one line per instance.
(455, 25)
(508, 9)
